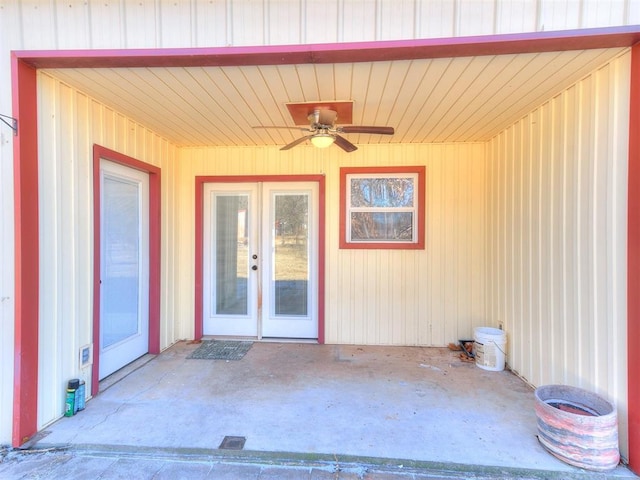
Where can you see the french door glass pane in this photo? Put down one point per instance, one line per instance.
(291, 254)
(232, 255)
(120, 280)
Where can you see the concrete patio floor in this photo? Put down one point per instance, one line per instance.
(414, 403)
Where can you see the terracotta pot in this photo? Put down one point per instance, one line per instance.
(578, 427)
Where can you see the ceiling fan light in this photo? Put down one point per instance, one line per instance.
(322, 140)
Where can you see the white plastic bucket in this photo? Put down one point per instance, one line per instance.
(489, 348)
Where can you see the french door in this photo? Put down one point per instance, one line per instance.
(124, 267)
(260, 260)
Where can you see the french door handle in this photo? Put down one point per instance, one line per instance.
(254, 267)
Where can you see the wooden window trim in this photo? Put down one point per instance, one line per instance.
(419, 244)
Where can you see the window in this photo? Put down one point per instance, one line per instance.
(382, 207)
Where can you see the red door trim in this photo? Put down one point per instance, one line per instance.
(100, 152)
(633, 264)
(27, 267)
(199, 209)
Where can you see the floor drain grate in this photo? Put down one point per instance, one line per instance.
(232, 443)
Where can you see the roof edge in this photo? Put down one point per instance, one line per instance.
(350, 52)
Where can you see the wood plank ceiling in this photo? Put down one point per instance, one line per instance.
(462, 99)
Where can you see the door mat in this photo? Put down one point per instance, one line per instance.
(221, 350)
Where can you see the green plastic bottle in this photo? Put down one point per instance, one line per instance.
(70, 403)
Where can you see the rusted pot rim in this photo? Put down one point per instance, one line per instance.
(604, 409)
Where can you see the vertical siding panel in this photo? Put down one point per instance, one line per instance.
(527, 367)
(602, 151)
(319, 19)
(450, 254)
(501, 244)
(585, 238)
(107, 25)
(508, 204)
(557, 320)
(560, 15)
(207, 14)
(48, 371)
(572, 257)
(436, 18)
(38, 26)
(399, 16)
(436, 227)
(516, 345)
(601, 13)
(464, 264)
(67, 325)
(83, 221)
(617, 246)
(176, 24)
(279, 13)
(514, 16)
(76, 13)
(475, 18)
(356, 24)
(492, 155)
(136, 33)
(10, 37)
(633, 17)
(546, 255)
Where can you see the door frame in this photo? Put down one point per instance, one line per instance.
(199, 238)
(99, 153)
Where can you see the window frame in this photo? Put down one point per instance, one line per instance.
(418, 242)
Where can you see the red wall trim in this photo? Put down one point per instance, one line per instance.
(27, 274)
(419, 245)
(154, 251)
(633, 265)
(199, 185)
(339, 52)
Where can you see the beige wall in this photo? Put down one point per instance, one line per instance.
(167, 23)
(66, 227)
(557, 237)
(424, 297)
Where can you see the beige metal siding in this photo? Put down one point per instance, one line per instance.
(557, 237)
(425, 297)
(70, 123)
(6, 272)
(166, 23)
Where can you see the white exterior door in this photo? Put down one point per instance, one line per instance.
(124, 266)
(260, 260)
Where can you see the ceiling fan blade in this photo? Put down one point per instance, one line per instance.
(367, 129)
(345, 144)
(296, 142)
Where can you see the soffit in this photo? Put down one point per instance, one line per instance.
(459, 99)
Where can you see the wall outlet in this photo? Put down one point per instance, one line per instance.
(86, 355)
(500, 326)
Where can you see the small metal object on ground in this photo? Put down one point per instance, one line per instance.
(232, 443)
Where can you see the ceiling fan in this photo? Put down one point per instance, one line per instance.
(323, 131)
